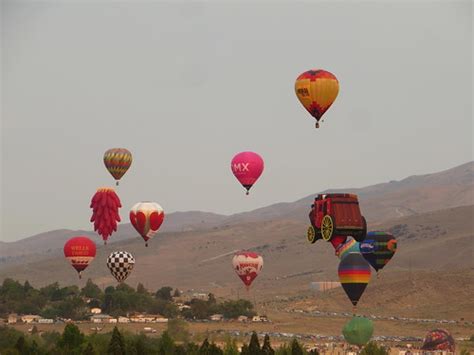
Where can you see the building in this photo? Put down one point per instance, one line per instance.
(123, 320)
(216, 317)
(12, 318)
(259, 319)
(324, 285)
(30, 318)
(45, 321)
(161, 320)
(243, 319)
(101, 318)
(96, 310)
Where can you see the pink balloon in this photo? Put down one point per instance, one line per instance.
(247, 168)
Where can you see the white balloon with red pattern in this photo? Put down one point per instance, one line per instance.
(247, 266)
(147, 218)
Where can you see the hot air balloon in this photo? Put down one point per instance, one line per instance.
(439, 340)
(247, 266)
(247, 168)
(378, 249)
(316, 89)
(358, 331)
(80, 251)
(105, 206)
(354, 274)
(350, 246)
(117, 161)
(147, 218)
(120, 264)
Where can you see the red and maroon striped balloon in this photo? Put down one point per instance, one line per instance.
(80, 251)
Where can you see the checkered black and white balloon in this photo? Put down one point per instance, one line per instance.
(120, 264)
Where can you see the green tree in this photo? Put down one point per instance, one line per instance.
(245, 350)
(230, 347)
(296, 348)
(21, 346)
(267, 348)
(117, 344)
(71, 339)
(140, 346)
(166, 345)
(373, 349)
(91, 290)
(254, 345)
(141, 289)
(164, 293)
(176, 293)
(178, 330)
(89, 350)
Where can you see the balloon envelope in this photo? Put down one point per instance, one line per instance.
(120, 264)
(354, 274)
(358, 331)
(117, 161)
(80, 251)
(247, 266)
(247, 168)
(317, 89)
(439, 339)
(350, 246)
(378, 249)
(147, 218)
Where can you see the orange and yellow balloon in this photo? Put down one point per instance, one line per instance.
(117, 161)
(316, 89)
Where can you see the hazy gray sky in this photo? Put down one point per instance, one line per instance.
(185, 86)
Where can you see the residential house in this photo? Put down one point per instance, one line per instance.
(30, 318)
(45, 321)
(12, 318)
(96, 310)
(216, 317)
(123, 320)
(101, 318)
(243, 319)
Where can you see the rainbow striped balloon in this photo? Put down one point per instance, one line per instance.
(354, 274)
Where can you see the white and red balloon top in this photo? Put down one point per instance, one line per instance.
(247, 266)
(247, 168)
(147, 218)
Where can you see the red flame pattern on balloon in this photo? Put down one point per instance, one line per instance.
(105, 205)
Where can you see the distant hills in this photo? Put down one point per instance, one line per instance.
(381, 202)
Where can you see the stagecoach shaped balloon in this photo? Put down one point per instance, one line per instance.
(247, 168)
(80, 251)
(247, 266)
(147, 218)
(120, 264)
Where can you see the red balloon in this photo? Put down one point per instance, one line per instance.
(247, 168)
(147, 218)
(80, 251)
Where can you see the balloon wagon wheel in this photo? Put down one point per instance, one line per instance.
(311, 235)
(327, 227)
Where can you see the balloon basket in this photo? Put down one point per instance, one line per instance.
(116, 183)
(317, 125)
(80, 274)
(146, 244)
(247, 193)
(377, 275)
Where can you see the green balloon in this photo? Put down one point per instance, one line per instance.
(358, 331)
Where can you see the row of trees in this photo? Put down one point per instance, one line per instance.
(72, 341)
(71, 302)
